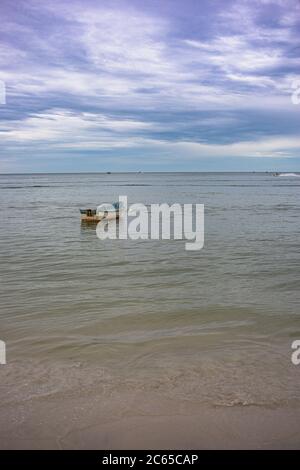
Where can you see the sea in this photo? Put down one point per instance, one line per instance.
(95, 329)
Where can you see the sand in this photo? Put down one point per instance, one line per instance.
(154, 423)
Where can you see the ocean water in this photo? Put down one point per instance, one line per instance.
(103, 320)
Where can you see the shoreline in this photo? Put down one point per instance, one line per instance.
(220, 428)
(95, 411)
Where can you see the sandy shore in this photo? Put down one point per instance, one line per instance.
(150, 424)
(216, 429)
(209, 405)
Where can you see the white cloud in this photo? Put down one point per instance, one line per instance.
(277, 146)
(65, 126)
(126, 53)
(61, 129)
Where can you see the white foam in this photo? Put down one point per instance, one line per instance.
(289, 174)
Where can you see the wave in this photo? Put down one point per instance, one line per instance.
(289, 174)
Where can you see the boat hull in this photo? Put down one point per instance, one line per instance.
(100, 216)
(104, 211)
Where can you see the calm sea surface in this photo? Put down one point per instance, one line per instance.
(213, 326)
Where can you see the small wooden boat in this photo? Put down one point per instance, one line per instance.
(89, 215)
(104, 211)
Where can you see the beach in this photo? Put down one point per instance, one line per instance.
(146, 421)
(121, 344)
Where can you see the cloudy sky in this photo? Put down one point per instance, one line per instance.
(152, 85)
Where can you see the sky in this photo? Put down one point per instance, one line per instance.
(148, 85)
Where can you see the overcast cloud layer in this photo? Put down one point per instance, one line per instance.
(149, 85)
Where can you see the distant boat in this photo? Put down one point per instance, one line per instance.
(104, 211)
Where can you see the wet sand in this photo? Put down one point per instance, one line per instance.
(193, 428)
(142, 420)
(205, 429)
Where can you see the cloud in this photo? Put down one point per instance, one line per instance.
(276, 147)
(120, 76)
(62, 126)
